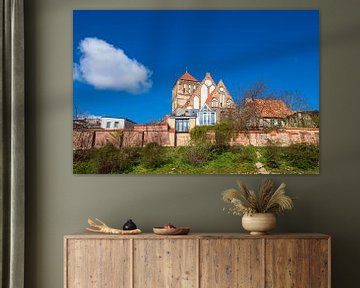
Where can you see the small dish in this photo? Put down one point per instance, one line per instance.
(171, 231)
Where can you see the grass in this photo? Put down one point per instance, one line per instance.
(208, 159)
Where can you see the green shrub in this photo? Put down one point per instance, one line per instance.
(82, 155)
(84, 167)
(223, 133)
(272, 155)
(198, 134)
(153, 155)
(198, 155)
(112, 160)
(246, 154)
(302, 156)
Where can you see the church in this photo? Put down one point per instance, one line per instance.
(197, 103)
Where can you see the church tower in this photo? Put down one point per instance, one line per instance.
(182, 90)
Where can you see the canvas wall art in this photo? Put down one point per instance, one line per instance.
(196, 92)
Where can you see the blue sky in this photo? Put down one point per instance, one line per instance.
(280, 48)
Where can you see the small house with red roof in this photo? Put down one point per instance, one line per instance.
(267, 112)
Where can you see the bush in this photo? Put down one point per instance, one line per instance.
(82, 155)
(85, 167)
(152, 155)
(198, 134)
(302, 156)
(246, 154)
(223, 133)
(272, 155)
(112, 160)
(198, 155)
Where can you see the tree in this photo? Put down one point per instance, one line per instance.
(253, 102)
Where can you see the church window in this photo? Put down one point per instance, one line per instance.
(214, 102)
(228, 103)
(222, 100)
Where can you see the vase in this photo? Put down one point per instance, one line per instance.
(129, 225)
(259, 223)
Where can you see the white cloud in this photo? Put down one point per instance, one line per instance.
(76, 72)
(106, 67)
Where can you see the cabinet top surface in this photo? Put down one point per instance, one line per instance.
(87, 235)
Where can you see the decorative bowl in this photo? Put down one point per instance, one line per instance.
(171, 231)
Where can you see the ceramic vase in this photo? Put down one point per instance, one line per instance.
(259, 223)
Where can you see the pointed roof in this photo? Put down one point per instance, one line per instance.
(197, 91)
(188, 77)
(208, 76)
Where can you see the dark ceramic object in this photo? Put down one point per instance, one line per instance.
(129, 225)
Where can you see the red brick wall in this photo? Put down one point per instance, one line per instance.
(283, 137)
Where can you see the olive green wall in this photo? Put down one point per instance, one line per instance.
(59, 202)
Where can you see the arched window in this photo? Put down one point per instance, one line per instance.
(228, 103)
(222, 100)
(214, 102)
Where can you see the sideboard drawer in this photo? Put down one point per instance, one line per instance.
(165, 263)
(231, 263)
(98, 263)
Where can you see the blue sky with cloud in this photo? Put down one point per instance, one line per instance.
(126, 62)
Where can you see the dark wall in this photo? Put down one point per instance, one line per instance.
(59, 203)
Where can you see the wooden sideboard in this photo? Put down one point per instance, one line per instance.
(197, 260)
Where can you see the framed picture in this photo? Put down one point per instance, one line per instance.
(196, 92)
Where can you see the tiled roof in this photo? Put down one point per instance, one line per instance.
(187, 76)
(270, 108)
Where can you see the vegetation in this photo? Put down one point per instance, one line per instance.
(199, 134)
(267, 200)
(198, 155)
(301, 157)
(204, 158)
(152, 156)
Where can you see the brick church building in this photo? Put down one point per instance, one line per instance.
(197, 103)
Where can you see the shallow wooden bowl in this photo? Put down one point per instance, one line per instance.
(171, 231)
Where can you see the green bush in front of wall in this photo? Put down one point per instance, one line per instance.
(302, 156)
(83, 155)
(245, 153)
(198, 155)
(153, 155)
(110, 159)
(223, 133)
(199, 134)
(272, 155)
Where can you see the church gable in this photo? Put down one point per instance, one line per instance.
(220, 97)
(206, 87)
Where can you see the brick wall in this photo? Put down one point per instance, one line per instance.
(164, 136)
